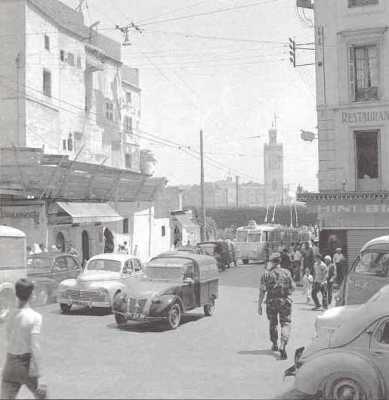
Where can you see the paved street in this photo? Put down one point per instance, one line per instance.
(224, 356)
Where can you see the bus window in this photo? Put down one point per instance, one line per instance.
(254, 237)
(241, 236)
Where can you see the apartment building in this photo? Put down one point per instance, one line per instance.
(352, 72)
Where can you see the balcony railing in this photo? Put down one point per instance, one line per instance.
(309, 197)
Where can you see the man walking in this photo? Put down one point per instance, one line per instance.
(340, 264)
(23, 364)
(320, 275)
(278, 285)
(331, 277)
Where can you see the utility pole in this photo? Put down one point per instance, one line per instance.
(18, 99)
(203, 211)
(237, 191)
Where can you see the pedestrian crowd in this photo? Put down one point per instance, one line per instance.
(316, 274)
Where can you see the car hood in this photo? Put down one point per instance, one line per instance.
(94, 276)
(147, 288)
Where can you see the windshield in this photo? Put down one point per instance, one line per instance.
(167, 268)
(103, 265)
(373, 263)
(38, 263)
(241, 236)
(254, 237)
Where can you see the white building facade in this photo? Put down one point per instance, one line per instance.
(352, 72)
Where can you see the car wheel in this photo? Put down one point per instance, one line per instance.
(7, 298)
(40, 297)
(174, 316)
(209, 309)
(65, 308)
(120, 319)
(245, 261)
(345, 389)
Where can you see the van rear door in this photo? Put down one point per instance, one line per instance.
(366, 277)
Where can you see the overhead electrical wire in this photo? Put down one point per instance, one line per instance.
(217, 11)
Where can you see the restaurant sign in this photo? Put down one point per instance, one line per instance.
(364, 116)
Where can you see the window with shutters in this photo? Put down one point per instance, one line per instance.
(361, 3)
(128, 160)
(128, 124)
(109, 111)
(47, 83)
(363, 62)
(47, 42)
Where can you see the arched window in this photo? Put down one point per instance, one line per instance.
(60, 242)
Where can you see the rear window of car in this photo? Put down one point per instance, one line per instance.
(373, 263)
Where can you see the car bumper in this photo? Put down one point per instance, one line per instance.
(140, 317)
(85, 303)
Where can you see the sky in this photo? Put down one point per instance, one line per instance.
(221, 66)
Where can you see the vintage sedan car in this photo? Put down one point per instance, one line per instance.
(368, 273)
(47, 270)
(172, 284)
(104, 276)
(349, 357)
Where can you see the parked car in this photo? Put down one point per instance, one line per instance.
(368, 273)
(172, 284)
(47, 270)
(220, 250)
(104, 276)
(349, 357)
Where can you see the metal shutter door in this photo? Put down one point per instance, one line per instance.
(356, 238)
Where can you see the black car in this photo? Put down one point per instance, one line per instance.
(47, 270)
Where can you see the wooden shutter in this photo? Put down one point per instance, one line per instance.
(351, 71)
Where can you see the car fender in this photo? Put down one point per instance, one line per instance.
(342, 364)
(112, 288)
(164, 304)
(68, 283)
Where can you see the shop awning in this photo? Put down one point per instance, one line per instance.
(86, 213)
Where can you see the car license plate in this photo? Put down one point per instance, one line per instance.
(136, 316)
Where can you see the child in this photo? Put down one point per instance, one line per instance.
(307, 284)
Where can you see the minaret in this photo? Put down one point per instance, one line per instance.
(273, 170)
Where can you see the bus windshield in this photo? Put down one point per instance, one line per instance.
(241, 236)
(254, 237)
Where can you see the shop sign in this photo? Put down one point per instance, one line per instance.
(364, 116)
(353, 208)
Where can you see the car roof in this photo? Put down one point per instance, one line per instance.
(361, 316)
(8, 231)
(379, 243)
(199, 258)
(113, 256)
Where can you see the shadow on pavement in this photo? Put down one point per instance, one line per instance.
(84, 311)
(259, 353)
(295, 395)
(160, 326)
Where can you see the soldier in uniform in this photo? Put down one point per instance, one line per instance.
(278, 285)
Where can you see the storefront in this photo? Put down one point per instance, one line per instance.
(349, 223)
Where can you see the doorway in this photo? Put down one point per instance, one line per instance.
(85, 246)
(109, 245)
(60, 242)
